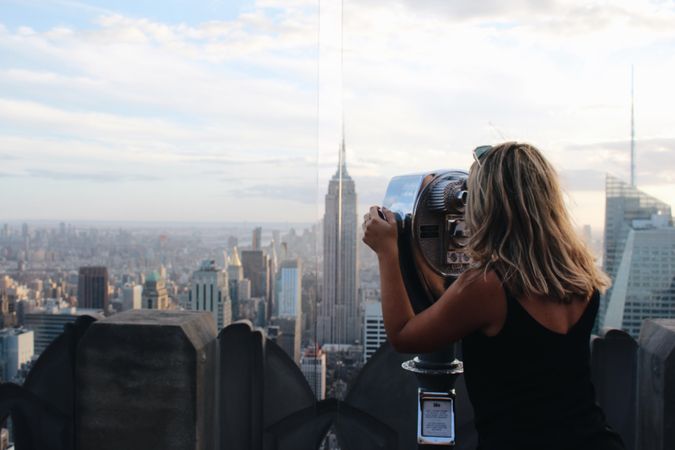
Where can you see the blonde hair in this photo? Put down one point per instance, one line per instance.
(520, 228)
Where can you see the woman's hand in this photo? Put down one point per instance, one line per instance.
(380, 234)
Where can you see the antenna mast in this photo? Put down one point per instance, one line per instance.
(632, 128)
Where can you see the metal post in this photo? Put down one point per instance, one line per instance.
(436, 373)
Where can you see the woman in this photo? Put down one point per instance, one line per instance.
(524, 311)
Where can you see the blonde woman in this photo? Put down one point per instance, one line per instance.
(524, 313)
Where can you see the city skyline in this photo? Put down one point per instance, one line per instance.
(121, 106)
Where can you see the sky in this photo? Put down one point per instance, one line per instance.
(232, 110)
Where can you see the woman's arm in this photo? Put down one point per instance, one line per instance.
(471, 303)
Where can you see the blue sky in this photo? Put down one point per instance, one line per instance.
(43, 15)
(230, 110)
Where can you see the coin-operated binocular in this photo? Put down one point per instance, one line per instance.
(429, 209)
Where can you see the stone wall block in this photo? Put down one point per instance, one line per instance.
(656, 385)
(146, 380)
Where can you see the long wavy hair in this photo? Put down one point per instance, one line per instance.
(520, 228)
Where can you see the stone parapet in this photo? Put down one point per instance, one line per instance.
(145, 380)
(656, 385)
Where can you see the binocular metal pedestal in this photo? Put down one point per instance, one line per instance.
(436, 373)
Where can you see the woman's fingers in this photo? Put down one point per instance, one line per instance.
(391, 217)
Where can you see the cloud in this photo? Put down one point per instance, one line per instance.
(424, 83)
(305, 194)
(654, 158)
(583, 180)
(256, 161)
(96, 177)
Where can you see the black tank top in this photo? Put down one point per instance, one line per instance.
(531, 387)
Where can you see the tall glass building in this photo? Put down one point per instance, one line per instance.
(639, 256)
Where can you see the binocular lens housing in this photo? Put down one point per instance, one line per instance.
(430, 210)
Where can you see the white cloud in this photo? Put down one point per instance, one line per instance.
(231, 105)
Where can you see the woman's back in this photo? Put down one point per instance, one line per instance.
(531, 387)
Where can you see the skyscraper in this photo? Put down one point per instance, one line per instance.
(289, 288)
(235, 275)
(256, 267)
(210, 292)
(625, 204)
(374, 333)
(131, 296)
(313, 367)
(16, 349)
(92, 288)
(256, 240)
(288, 316)
(639, 256)
(338, 318)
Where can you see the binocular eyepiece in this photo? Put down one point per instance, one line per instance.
(448, 195)
(432, 234)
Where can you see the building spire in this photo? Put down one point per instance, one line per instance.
(632, 128)
(342, 169)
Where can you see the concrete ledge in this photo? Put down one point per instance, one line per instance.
(613, 371)
(146, 380)
(656, 385)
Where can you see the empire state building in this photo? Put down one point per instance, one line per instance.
(338, 317)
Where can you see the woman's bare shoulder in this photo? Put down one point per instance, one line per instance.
(484, 289)
(479, 281)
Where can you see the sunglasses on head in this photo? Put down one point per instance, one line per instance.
(480, 151)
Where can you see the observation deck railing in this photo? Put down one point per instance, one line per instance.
(149, 379)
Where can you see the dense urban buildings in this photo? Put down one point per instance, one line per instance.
(639, 257)
(338, 317)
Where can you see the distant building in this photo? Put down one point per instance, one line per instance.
(210, 293)
(48, 323)
(374, 334)
(256, 241)
(313, 367)
(288, 335)
(338, 318)
(271, 288)
(289, 289)
(6, 318)
(155, 295)
(132, 297)
(16, 349)
(235, 275)
(644, 285)
(244, 289)
(256, 268)
(92, 288)
(639, 256)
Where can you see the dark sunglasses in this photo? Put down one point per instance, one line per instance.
(480, 151)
